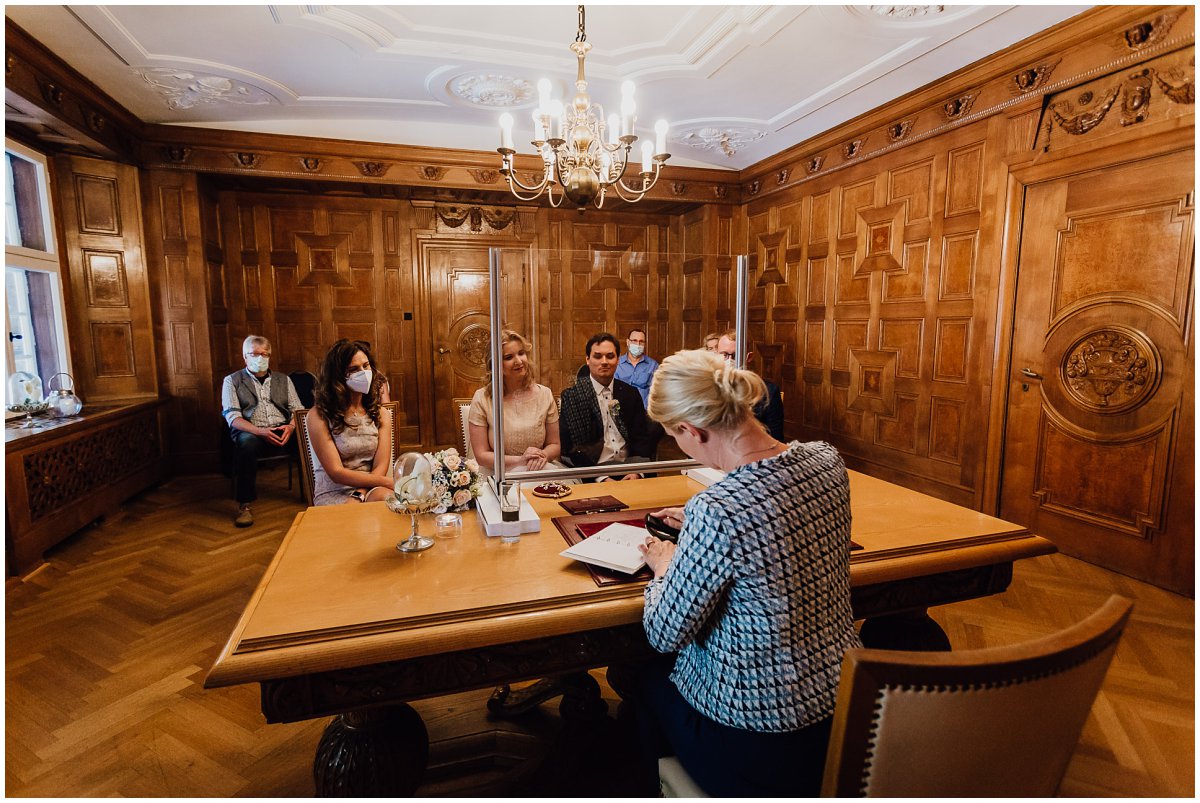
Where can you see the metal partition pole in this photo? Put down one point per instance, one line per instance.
(497, 348)
(742, 280)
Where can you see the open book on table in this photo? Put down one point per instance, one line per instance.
(615, 547)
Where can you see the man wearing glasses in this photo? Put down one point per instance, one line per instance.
(258, 404)
(769, 410)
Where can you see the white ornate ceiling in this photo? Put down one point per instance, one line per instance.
(737, 83)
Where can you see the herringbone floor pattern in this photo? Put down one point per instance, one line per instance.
(107, 646)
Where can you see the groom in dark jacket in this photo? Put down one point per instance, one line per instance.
(602, 421)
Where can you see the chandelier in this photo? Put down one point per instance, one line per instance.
(576, 156)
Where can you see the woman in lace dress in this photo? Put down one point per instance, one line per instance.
(530, 414)
(350, 436)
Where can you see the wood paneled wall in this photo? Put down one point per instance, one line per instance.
(175, 255)
(106, 281)
(873, 296)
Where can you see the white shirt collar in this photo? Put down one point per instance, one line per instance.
(598, 387)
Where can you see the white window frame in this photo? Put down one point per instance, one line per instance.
(48, 261)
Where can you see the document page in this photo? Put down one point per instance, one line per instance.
(615, 547)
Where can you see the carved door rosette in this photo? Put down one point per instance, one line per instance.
(1111, 370)
(471, 345)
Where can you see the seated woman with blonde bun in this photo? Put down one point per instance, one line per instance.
(752, 607)
(531, 440)
(350, 437)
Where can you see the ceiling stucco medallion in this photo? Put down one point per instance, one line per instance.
(907, 12)
(184, 89)
(493, 91)
(727, 140)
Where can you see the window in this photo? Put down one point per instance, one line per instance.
(34, 313)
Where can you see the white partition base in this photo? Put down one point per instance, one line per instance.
(488, 508)
(705, 476)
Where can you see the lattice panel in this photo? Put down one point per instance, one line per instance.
(61, 473)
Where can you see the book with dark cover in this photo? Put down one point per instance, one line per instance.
(593, 504)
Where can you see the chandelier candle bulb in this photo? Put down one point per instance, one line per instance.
(539, 130)
(506, 124)
(614, 129)
(556, 120)
(660, 137)
(647, 157)
(544, 96)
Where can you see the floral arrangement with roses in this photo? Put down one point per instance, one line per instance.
(455, 481)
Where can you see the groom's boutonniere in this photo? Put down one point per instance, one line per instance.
(614, 408)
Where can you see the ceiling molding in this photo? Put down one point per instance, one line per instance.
(1072, 53)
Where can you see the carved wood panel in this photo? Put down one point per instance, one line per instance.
(612, 272)
(1099, 451)
(177, 258)
(61, 473)
(888, 351)
(106, 280)
(304, 271)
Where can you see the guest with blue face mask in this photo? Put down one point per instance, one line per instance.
(350, 436)
(634, 367)
(257, 404)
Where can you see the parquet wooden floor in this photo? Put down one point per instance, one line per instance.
(107, 645)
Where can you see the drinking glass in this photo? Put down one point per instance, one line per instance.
(448, 525)
(509, 493)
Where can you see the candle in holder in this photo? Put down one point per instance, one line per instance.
(506, 124)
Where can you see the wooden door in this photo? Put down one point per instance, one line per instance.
(459, 306)
(1099, 440)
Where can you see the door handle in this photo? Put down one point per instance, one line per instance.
(1025, 372)
(443, 350)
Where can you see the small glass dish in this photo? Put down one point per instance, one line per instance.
(447, 525)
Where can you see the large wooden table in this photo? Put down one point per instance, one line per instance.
(342, 623)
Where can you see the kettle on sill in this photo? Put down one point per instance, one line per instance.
(63, 401)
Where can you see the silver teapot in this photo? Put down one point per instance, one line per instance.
(62, 400)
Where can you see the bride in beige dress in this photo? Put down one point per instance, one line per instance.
(530, 414)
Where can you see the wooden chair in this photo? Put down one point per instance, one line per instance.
(464, 407)
(229, 464)
(997, 722)
(308, 458)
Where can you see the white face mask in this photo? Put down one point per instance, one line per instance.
(359, 382)
(636, 350)
(258, 363)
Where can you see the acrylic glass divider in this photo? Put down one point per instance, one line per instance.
(496, 350)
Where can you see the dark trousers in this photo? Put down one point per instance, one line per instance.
(247, 449)
(724, 761)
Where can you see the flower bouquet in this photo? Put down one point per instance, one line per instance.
(455, 481)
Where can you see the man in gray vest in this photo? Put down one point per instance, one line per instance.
(258, 404)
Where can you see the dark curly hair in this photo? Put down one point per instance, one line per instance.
(331, 396)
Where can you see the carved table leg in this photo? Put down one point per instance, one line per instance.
(373, 753)
(580, 697)
(913, 630)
